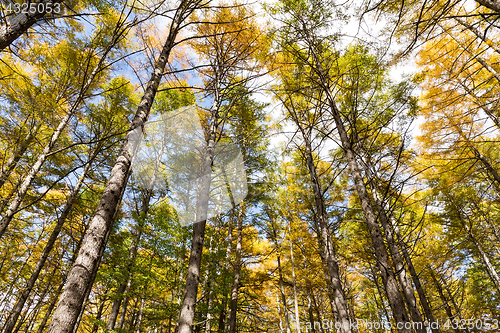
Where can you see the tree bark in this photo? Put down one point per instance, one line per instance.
(237, 268)
(384, 266)
(326, 241)
(443, 297)
(404, 282)
(81, 277)
(186, 316)
(414, 276)
(16, 311)
(494, 5)
(98, 316)
(20, 23)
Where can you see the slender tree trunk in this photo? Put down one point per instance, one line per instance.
(318, 314)
(16, 311)
(7, 295)
(124, 287)
(384, 266)
(328, 248)
(139, 318)
(116, 307)
(23, 189)
(310, 310)
(380, 294)
(123, 312)
(443, 297)
(48, 312)
(283, 298)
(483, 256)
(25, 185)
(81, 277)
(98, 316)
(237, 268)
(186, 316)
(390, 224)
(207, 285)
(397, 259)
(294, 281)
(229, 248)
(414, 276)
(11, 163)
(208, 326)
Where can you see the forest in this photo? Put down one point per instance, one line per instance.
(230, 166)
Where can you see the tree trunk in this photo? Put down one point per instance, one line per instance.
(237, 268)
(125, 286)
(16, 311)
(123, 312)
(380, 294)
(139, 319)
(316, 309)
(283, 299)
(229, 248)
(294, 281)
(98, 316)
(25, 185)
(483, 256)
(20, 23)
(442, 296)
(384, 266)
(48, 312)
(81, 277)
(11, 163)
(186, 316)
(310, 310)
(494, 5)
(404, 282)
(326, 240)
(116, 307)
(414, 276)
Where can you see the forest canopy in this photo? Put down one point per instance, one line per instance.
(230, 166)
